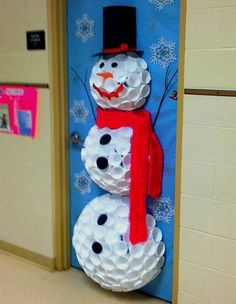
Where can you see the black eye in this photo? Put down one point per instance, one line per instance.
(101, 65)
(114, 64)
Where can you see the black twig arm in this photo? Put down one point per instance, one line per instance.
(168, 86)
(86, 90)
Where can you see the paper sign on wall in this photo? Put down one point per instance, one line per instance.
(18, 110)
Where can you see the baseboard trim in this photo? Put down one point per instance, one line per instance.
(28, 255)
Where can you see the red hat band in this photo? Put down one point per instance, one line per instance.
(122, 49)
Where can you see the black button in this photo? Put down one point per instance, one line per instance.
(105, 139)
(102, 219)
(102, 163)
(97, 247)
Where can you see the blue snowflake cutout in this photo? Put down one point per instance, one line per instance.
(84, 28)
(79, 111)
(162, 209)
(82, 182)
(162, 52)
(161, 4)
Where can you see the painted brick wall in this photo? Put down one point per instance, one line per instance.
(208, 203)
(25, 164)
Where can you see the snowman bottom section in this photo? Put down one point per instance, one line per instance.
(103, 249)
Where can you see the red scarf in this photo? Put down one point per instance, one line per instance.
(146, 163)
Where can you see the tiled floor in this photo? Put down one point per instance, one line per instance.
(24, 283)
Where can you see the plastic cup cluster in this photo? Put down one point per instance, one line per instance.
(101, 242)
(130, 71)
(106, 154)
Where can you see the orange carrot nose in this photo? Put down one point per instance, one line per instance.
(105, 75)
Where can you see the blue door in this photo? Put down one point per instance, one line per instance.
(158, 37)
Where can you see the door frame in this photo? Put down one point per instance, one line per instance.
(57, 34)
(59, 126)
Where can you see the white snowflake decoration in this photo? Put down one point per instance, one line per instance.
(162, 209)
(82, 182)
(84, 28)
(79, 111)
(161, 4)
(163, 52)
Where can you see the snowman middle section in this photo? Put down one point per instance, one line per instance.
(106, 154)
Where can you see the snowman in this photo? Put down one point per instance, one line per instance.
(116, 242)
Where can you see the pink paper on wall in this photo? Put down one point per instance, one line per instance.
(18, 110)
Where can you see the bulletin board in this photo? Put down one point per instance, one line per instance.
(18, 110)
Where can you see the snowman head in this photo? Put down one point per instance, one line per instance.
(120, 81)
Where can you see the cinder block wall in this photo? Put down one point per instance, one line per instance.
(25, 164)
(208, 204)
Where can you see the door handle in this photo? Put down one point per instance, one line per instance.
(75, 138)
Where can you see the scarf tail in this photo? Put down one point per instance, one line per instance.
(155, 170)
(139, 173)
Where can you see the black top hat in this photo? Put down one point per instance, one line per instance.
(119, 30)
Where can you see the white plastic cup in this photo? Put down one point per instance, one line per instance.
(157, 235)
(120, 274)
(147, 275)
(137, 251)
(160, 262)
(151, 248)
(123, 184)
(120, 248)
(146, 78)
(126, 132)
(136, 264)
(109, 85)
(89, 265)
(123, 210)
(161, 249)
(120, 75)
(127, 160)
(140, 102)
(134, 80)
(95, 259)
(123, 93)
(120, 57)
(133, 276)
(130, 65)
(111, 237)
(99, 232)
(114, 159)
(122, 263)
(117, 172)
(150, 263)
(126, 105)
(142, 63)
(121, 226)
(108, 265)
(97, 80)
(134, 93)
(101, 270)
(150, 221)
(145, 90)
